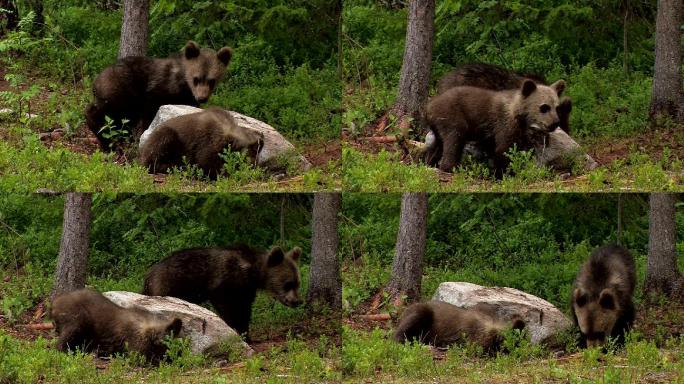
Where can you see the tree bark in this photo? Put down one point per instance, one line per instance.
(625, 37)
(73, 250)
(39, 20)
(662, 275)
(415, 70)
(407, 269)
(667, 96)
(325, 284)
(10, 15)
(134, 28)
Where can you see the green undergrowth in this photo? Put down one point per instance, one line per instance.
(375, 356)
(384, 172)
(296, 361)
(27, 165)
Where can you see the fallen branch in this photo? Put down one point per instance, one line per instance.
(382, 139)
(376, 317)
(40, 326)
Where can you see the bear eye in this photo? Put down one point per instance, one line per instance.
(544, 108)
(581, 301)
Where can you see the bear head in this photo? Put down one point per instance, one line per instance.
(204, 68)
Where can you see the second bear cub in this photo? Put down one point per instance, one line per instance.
(87, 319)
(442, 324)
(198, 139)
(228, 278)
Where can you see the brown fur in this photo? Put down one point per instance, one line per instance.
(495, 120)
(228, 278)
(602, 297)
(442, 324)
(496, 78)
(198, 139)
(87, 319)
(135, 87)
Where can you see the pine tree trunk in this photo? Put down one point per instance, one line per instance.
(134, 34)
(72, 264)
(415, 70)
(662, 275)
(407, 269)
(11, 15)
(325, 284)
(667, 96)
(39, 20)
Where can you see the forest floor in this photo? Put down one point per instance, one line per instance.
(651, 160)
(305, 351)
(659, 361)
(54, 114)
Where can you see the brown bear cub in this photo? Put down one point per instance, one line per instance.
(442, 324)
(602, 297)
(494, 120)
(86, 319)
(198, 139)
(495, 78)
(135, 87)
(228, 278)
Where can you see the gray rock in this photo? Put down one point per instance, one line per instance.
(559, 152)
(205, 329)
(276, 147)
(543, 320)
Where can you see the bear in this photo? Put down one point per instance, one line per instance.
(228, 278)
(198, 139)
(496, 78)
(602, 296)
(494, 120)
(87, 319)
(489, 76)
(442, 324)
(135, 87)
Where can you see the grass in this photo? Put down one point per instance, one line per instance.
(372, 356)
(384, 172)
(27, 165)
(31, 362)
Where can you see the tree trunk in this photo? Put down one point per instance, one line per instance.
(625, 38)
(415, 70)
(662, 275)
(667, 96)
(620, 205)
(39, 20)
(73, 250)
(325, 284)
(407, 269)
(10, 15)
(134, 35)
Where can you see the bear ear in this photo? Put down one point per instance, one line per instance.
(275, 257)
(559, 87)
(174, 327)
(224, 55)
(295, 253)
(191, 50)
(607, 300)
(528, 88)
